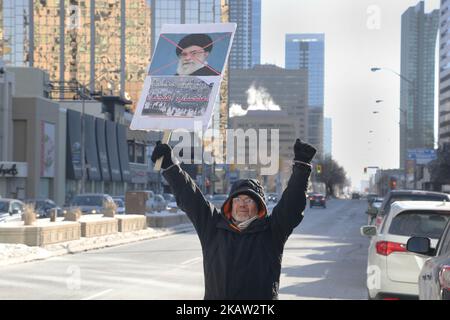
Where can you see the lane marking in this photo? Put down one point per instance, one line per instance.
(191, 261)
(98, 294)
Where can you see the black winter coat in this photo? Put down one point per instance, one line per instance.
(241, 265)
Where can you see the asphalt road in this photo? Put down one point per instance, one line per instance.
(325, 258)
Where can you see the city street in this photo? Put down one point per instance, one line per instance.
(325, 258)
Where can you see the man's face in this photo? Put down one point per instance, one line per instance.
(191, 59)
(243, 208)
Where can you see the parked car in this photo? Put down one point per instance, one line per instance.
(11, 209)
(43, 207)
(218, 199)
(168, 197)
(156, 203)
(272, 197)
(120, 205)
(406, 195)
(172, 206)
(392, 271)
(91, 203)
(434, 278)
(119, 198)
(356, 196)
(373, 208)
(317, 200)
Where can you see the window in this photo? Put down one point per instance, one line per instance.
(140, 153)
(429, 224)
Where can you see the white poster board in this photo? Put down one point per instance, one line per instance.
(183, 79)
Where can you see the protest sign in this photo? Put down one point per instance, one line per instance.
(183, 79)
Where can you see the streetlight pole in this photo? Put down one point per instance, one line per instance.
(404, 129)
(412, 92)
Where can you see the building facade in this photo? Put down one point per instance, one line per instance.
(287, 88)
(444, 73)
(418, 41)
(267, 120)
(46, 142)
(307, 51)
(101, 44)
(246, 50)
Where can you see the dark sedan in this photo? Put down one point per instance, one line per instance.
(317, 200)
(43, 207)
(434, 278)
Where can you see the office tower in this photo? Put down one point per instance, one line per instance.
(246, 50)
(286, 88)
(444, 73)
(418, 40)
(101, 44)
(306, 51)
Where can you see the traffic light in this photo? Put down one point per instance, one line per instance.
(319, 169)
(393, 183)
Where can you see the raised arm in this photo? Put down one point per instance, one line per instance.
(288, 213)
(187, 194)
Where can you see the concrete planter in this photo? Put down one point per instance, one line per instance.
(96, 225)
(165, 221)
(41, 233)
(131, 222)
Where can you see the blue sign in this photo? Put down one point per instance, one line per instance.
(422, 156)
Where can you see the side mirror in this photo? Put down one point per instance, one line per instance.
(368, 231)
(419, 245)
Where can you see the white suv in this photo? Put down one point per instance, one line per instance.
(392, 271)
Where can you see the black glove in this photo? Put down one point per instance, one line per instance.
(162, 150)
(303, 151)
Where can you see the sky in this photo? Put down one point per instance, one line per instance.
(359, 34)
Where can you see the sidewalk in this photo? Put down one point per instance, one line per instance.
(20, 253)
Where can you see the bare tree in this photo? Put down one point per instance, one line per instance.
(332, 175)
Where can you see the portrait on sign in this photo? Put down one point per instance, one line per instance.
(194, 54)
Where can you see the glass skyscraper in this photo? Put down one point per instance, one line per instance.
(246, 50)
(183, 11)
(102, 44)
(419, 32)
(307, 51)
(444, 76)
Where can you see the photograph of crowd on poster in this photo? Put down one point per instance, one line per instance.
(177, 96)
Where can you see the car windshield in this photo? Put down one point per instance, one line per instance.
(88, 201)
(4, 206)
(38, 204)
(429, 224)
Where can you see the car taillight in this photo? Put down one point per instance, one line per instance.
(312, 198)
(385, 248)
(444, 277)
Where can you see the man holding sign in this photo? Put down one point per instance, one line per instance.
(242, 246)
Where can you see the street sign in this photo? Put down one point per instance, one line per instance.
(421, 156)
